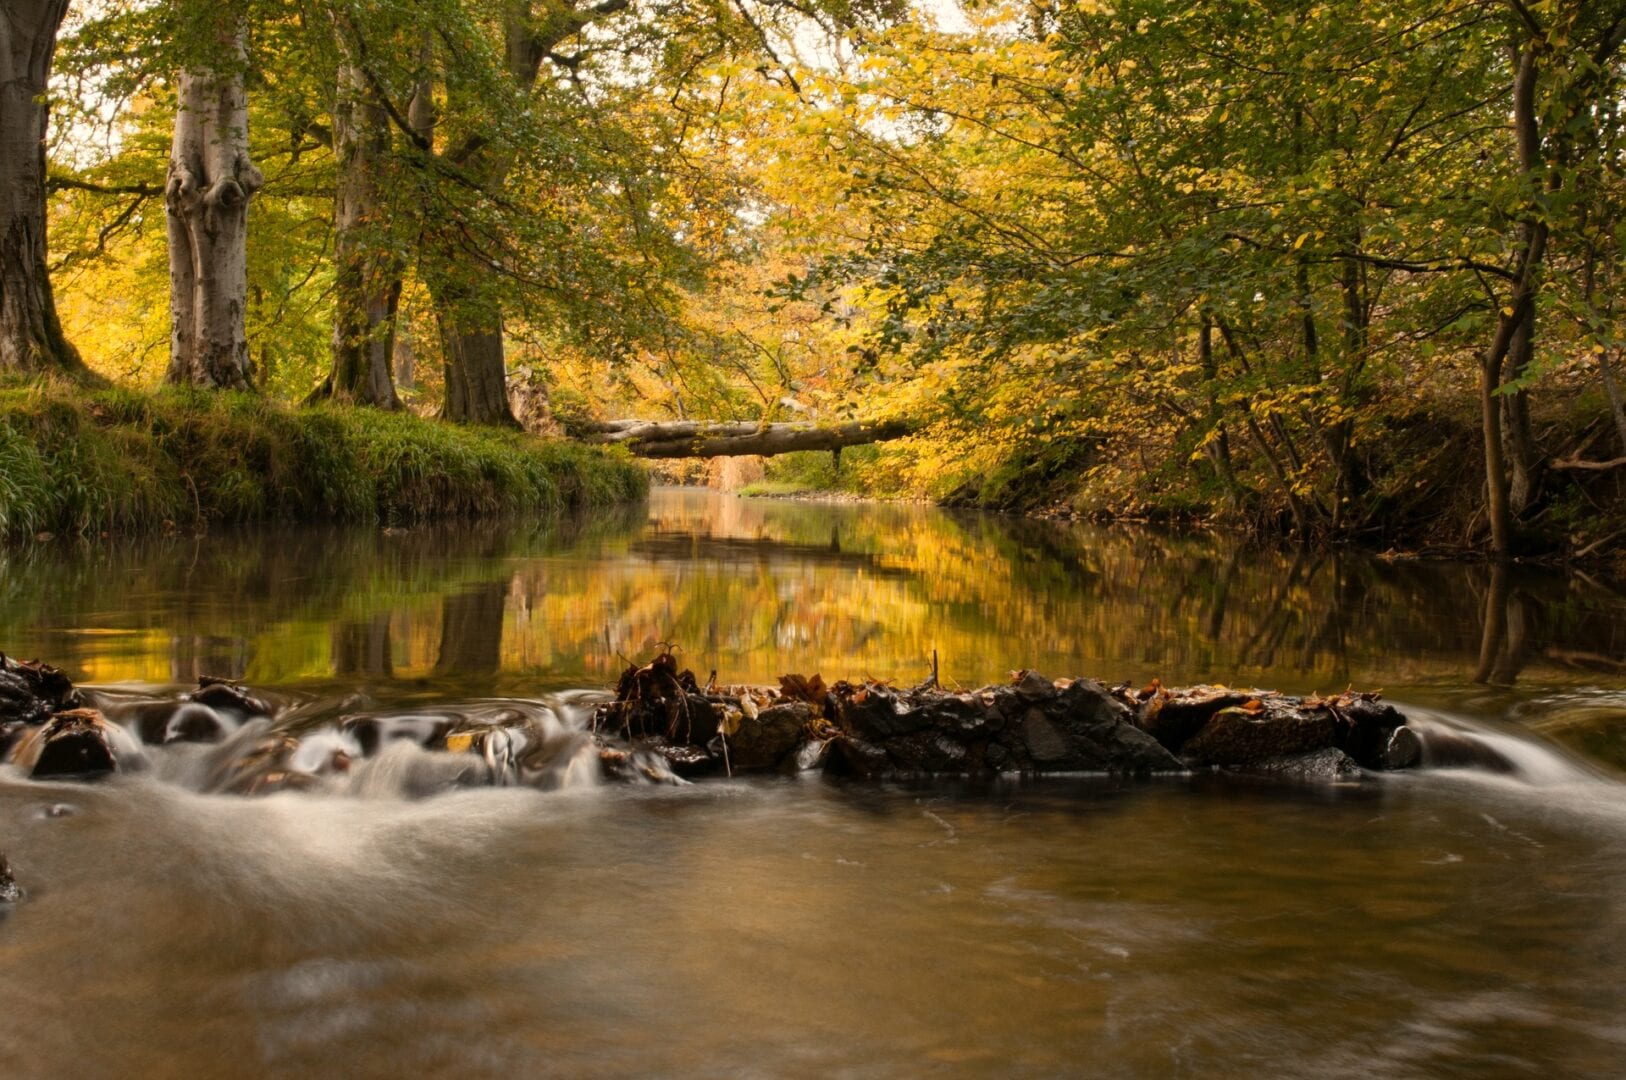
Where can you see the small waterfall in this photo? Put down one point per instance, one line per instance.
(339, 747)
(1455, 743)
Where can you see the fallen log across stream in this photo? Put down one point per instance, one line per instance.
(706, 439)
(663, 725)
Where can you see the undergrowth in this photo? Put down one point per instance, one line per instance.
(77, 461)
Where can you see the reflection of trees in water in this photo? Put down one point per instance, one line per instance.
(194, 655)
(1505, 644)
(263, 604)
(757, 588)
(362, 647)
(991, 592)
(471, 625)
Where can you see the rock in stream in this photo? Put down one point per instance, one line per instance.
(664, 726)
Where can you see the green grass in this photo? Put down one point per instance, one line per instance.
(783, 488)
(89, 462)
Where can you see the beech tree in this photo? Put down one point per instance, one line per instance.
(31, 338)
(367, 272)
(377, 49)
(206, 197)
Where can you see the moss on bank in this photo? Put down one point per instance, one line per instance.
(77, 461)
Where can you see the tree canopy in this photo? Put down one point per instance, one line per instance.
(1323, 264)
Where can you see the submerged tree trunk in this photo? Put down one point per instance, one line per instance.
(367, 280)
(31, 337)
(210, 183)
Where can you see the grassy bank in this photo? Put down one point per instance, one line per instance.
(87, 462)
(1418, 480)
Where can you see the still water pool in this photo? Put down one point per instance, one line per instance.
(1442, 924)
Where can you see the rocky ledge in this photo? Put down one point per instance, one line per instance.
(1033, 725)
(663, 725)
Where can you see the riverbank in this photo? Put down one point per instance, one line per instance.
(1415, 490)
(78, 462)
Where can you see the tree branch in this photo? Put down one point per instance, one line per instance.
(72, 183)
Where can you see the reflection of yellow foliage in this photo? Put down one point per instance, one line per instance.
(754, 589)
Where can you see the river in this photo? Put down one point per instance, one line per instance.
(1449, 923)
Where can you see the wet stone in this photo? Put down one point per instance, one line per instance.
(1404, 749)
(686, 761)
(229, 696)
(852, 756)
(1327, 764)
(875, 712)
(1174, 717)
(1239, 736)
(1044, 743)
(771, 738)
(30, 692)
(1366, 728)
(73, 744)
(1033, 686)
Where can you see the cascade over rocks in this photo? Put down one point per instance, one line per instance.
(663, 726)
(10, 891)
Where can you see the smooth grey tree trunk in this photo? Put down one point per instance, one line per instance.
(367, 281)
(207, 193)
(31, 337)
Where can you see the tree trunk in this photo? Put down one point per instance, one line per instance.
(471, 327)
(367, 279)
(1617, 406)
(696, 438)
(1515, 325)
(1518, 440)
(406, 357)
(210, 183)
(31, 338)
(1219, 450)
(476, 372)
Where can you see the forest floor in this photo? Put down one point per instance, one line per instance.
(88, 462)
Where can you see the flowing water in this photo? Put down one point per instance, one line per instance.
(1450, 923)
